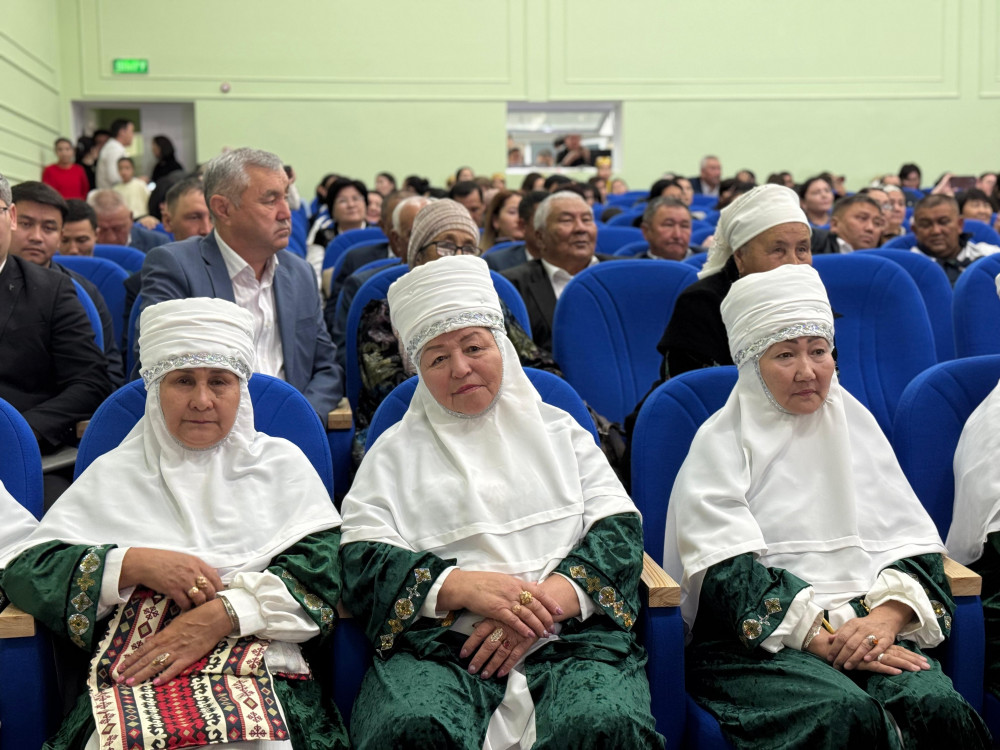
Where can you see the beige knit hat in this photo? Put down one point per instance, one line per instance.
(435, 218)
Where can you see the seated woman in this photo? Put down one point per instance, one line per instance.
(441, 228)
(347, 208)
(502, 222)
(490, 553)
(192, 560)
(974, 536)
(817, 196)
(789, 514)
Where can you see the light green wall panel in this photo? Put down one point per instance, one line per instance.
(31, 108)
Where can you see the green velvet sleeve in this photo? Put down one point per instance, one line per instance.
(311, 570)
(607, 564)
(742, 596)
(928, 571)
(384, 587)
(60, 585)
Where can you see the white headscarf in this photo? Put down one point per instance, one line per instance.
(235, 505)
(17, 524)
(510, 490)
(820, 495)
(750, 214)
(977, 480)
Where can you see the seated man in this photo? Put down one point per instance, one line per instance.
(51, 371)
(709, 176)
(242, 261)
(470, 195)
(79, 232)
(856, 224)
(938, 228)
(666, 226)
(531, 248)
(115, 225)
(569, 236)
(36, 238)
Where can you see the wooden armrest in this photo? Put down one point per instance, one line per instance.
(81, 428)
(326, 281)
(663, 590)
(963, 581)
(16, 623)
(341, 417)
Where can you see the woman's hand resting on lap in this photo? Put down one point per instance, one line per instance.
(494, 596)
(495, 657)
(174, 574)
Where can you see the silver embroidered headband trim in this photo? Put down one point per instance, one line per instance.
(203, 359)
(463, 320)
(798, 330)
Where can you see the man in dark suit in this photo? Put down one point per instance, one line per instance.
(51, 370)
(242, 261)
(568, 233)
(708, 179)
(115, 225)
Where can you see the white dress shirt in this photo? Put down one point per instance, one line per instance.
(559, 278)
(258, 298)
(107, 164)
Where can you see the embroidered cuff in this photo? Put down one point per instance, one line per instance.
(82, 611)
(932, 622)
(404, 608)
(429, 607)
(111, 594)
(320, 611)
(587, 606)
(609, 599)
(791, 632)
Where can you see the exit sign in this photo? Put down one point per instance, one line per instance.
(131, 65)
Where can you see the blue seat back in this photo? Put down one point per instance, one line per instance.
(342, 258)
(339, 244)
(509, 295)
(935, 291)
(903, 242)
(611, 238)
(108, 277)
(884, 336)
(632, 249)
(503, 246)
(663, 432)
(92, 315)
(981, 231)
(976, 309)
(133, 333)
(701, 233)
(929, 421)
(702, 202)
(553, 390)
(300, 232)
(278, 410)
(127, 257)
(20, 460)
(607, 323)
(625, 218)
(696, 261)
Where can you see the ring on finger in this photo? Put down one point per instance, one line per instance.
(879, 657)
(871, 640)
(526, 598)
(516, 609)
(193, 590)
(496, 635)
(160, 660)
(506, 644)
(201, 582)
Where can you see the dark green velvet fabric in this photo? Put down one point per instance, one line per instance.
(589, 686)
(795, 699)
(311, 570)
(988, 566)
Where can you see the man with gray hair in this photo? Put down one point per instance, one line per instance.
(115, 225)
(708, 179)
(565, 224)
(242, 261)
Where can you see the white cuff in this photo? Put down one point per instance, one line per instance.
(795, 625)
(895, 586)
(267, 609)
(587, 606)
(111, 596)
(429, 607)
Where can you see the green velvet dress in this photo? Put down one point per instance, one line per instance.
(793, 698)
(589, 687)
(60, 586)
(988, 566)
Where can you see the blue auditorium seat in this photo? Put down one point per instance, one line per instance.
(696, 261)
(626, 218)
(133, 333)
(503, 246)
(108, 277)
(127, 257)
(92, 315)
(300, 232)
(611, 238)
(339, 244)
(606, 325)
(632, 249)
(701, 231)
(902, 242)
(976, 309)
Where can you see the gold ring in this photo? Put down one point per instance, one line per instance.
(872, 640)
(160, 660)
(496, 635)
(526, 598)
(516, 609)
(193, 590)
(201, 582)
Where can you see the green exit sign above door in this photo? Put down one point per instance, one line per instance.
(130, 65)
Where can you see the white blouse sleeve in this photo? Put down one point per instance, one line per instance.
(795, 625)
(111, 597)
(267, 609)
(895, 586)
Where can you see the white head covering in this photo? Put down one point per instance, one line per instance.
(235, 505)
(750, 214)
(819, 494)
(977, 480)
(17, 524)
(510, 490)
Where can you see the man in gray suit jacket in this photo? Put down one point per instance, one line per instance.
(242, 261)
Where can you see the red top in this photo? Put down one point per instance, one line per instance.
(69, 183)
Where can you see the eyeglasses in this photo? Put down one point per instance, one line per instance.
(446, 248)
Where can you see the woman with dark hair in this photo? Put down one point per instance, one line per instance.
(385, 183)
(816, 195)
(501, 222)
(346, 205)
(86, 156)
(416, 183)
(166, 160)
(910, 176)
(532, 181)
(669, 188)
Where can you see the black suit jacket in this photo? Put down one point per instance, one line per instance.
(696, 184)
(50, 368)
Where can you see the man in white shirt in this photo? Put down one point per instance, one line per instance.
(709, 176)
(938, 228)
(122, 133)
(242, 261)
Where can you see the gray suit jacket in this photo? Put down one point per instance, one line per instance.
(195, 268)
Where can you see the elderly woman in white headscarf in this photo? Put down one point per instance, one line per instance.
(811, 576)
(191, 560)
(489, 551)
(974, 536)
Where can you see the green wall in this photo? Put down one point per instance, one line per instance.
(854, 86)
